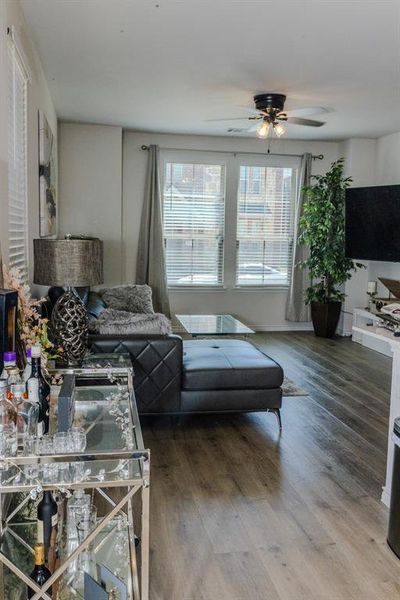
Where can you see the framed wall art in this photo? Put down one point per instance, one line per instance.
(47, 178)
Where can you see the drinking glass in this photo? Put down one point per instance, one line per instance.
(78, 439)
(78, 500)
(78, 471)
(46, 444)
(31, 471)
(50, 473)
(61, 442)
(8, 440)
(85, 519)
(31, 444)
(64, 475)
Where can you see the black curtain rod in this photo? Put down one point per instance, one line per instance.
(268, 153)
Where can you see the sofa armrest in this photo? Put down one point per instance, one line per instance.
(157, 364)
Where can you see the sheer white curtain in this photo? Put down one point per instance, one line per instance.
(296, 309)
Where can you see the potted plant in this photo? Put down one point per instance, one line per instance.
(322, 229)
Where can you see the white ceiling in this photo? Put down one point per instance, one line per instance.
(168, 65)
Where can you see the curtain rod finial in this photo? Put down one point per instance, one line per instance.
(144, 147)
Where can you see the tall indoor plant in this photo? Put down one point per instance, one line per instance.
(322, 230)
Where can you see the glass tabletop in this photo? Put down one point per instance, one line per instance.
(105, 360)
(213, 325)
(104, 412)
(114, 445)
(98, 364)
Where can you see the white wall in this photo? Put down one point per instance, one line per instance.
(388, 159)
(90, 175)
(370, 162)
(38, 98)
(91, 202)
(387, 173)
(263, 309)
(360, 165)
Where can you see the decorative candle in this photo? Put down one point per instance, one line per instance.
(372, 286)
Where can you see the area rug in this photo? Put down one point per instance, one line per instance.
(289, 388)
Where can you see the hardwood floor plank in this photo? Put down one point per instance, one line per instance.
(347, 407)
(240, 511)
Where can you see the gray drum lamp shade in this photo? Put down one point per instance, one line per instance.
(70, 262)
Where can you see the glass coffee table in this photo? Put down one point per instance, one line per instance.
(203, 325)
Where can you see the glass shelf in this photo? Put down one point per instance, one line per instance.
(110, 548)
(72, 475)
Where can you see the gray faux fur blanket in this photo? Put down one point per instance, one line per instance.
(113, 321)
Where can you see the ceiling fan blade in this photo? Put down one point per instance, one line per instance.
(253, 127)
(252, 111)
(308, 122)
(305, 112)
(232, 119)
(239, 130)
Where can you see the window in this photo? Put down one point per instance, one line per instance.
(228, 218)
(17, 160)
(194, 214)
(264, 225)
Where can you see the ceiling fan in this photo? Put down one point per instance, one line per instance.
(270, 115)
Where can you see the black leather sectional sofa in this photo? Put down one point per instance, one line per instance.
(175, 377)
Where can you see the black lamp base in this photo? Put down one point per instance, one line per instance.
(69, 327)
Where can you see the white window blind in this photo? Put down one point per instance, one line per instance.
(264, 225)
(193, 212)
(17, 161)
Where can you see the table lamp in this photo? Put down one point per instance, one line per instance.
(69, 263)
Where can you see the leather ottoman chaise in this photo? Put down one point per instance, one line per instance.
(225, 375)
(197, 376)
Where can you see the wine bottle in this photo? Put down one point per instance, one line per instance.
(10, 362)
(33, 395)
(47, 519)
(28, 368)
(40, 573)
(44, 388)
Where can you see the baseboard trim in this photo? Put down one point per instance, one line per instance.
(385, 498)
(345, 333)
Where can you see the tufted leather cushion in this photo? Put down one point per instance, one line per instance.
(157, 363)
(228, 364)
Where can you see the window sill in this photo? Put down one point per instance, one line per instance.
(221, 288)
(197, 288)
(261, 288)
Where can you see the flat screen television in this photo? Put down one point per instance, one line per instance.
(372, 223)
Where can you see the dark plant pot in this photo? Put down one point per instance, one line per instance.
(325, 317)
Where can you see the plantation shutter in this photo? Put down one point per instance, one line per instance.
(193, 214)
(17, 161)
(264, 225)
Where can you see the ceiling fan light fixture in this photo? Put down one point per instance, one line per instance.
(279, 129)
(263, 130)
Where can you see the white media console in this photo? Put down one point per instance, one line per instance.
(367, 333)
